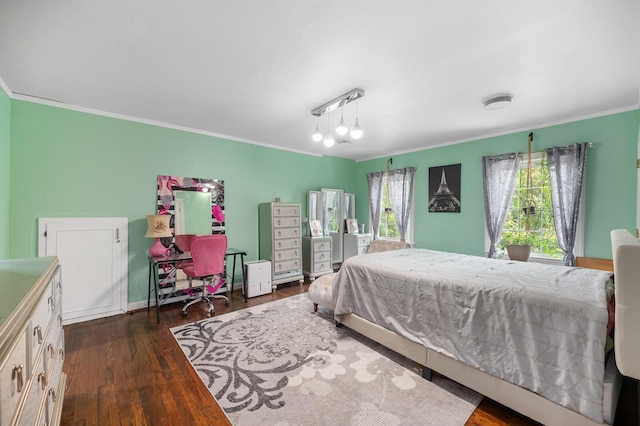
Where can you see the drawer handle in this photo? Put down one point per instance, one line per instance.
(62, 354)
(52, 351)
(60, 320)
(16, 374)
(37, 331)
(50, 302)
(42, 379)
(52, 394)
(60, 287)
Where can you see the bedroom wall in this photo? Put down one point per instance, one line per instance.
(5, 149)
(73, 164)
(610, 182)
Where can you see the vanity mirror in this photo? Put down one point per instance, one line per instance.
(196, 204)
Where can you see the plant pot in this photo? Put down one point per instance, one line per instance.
(519, 252)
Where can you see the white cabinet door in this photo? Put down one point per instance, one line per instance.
(93, 256)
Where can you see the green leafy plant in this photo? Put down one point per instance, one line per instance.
(518, 238)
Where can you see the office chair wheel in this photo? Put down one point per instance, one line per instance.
(212, 312)
(184, 314)
(226, 302)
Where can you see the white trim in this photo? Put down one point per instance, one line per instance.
(6, 88)
(58, 104)
(508, 132)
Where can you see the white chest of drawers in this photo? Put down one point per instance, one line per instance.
(281, 241)
(32, 383)
(316, 259)
(356, 244)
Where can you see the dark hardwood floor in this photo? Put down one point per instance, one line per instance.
(128, 370)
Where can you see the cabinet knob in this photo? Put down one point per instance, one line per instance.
(37, 331)
(16, 374)
(42, 379)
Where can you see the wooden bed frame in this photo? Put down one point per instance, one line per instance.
(515, 397)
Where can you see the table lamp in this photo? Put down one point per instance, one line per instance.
(158, 227)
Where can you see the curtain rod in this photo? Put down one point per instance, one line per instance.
(496, 157)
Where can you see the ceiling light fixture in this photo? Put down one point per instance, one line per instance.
(342, 129)
(328, 140)
(317, 136)
(356, 131)
(497, 102)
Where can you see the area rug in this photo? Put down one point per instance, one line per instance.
(281, 364)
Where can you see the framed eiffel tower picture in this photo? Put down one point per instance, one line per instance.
(444, 189)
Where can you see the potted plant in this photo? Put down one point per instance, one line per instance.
(517, 244)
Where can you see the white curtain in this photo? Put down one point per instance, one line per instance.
(401, 189)
(566, 174)
(374, 180)
(499, 173)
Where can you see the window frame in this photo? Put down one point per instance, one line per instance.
(410, 230)
(578, 248)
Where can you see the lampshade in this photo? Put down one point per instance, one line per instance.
(317, 136)
(158, 226)
(342, 128)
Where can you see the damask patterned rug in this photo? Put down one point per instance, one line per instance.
(281, 364)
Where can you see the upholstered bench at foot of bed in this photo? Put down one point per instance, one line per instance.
(321, 292)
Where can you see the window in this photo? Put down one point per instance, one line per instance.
(388, 229)
(531, 212)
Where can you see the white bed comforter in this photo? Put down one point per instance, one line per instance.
(538, 326)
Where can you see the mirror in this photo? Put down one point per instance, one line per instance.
(199, 197)
(314, 208)
(349, 206)
(193, 212)
(333, 220)
(331, 210)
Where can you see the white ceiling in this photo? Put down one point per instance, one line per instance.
(253, 70)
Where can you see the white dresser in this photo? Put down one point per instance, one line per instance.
(281, 241)
(32, 383)
(356, 244)
(316, 252)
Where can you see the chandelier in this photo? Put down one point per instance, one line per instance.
(356, 131)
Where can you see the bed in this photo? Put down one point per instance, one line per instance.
(529, 336)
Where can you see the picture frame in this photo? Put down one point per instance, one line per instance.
(315, 227)
(352, 226)
(444, 189)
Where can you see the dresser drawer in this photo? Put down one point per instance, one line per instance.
(364, 240)
(40, 321)
(286, 233)
(279, 211)
(321, 256)
(287, 243)
(322, 266)
(14, 377)
(34, 401)
(286, 265)
(322, 246)
(284, 222)
(286, 254)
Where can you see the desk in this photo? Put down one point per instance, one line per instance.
(164, 283)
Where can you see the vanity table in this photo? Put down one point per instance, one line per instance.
(162, 277)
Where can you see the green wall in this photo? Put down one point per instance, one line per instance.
(71, 164)
(610, 182)
(66, 163)
(5, 150)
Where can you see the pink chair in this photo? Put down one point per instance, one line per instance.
(207, 253)
(183, 243)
